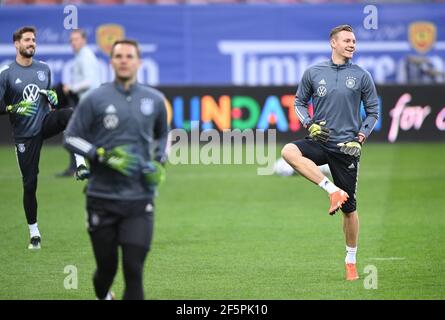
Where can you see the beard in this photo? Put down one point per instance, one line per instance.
(125, 77)
(27, 53)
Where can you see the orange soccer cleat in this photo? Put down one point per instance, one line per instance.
(338, 198)
(351, 272)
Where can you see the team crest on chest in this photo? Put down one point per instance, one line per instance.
(111, 120)
(350, 82)
(147, 106)
(321, 91)
(41, 75)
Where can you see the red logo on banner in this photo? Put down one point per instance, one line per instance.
(422, 36)
(107, 34)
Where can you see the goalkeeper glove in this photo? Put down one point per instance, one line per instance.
(353, 148)
(318, 131)
(154, 173)
(51, 96)
(23, 108)
(120, 158)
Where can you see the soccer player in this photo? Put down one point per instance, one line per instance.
(25, 94)
(336, 131)
(116, 127)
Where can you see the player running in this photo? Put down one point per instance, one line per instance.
(121, 127)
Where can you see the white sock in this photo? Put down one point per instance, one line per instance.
(33, 230)
(79, 160)
(350, 254)
(328, 186)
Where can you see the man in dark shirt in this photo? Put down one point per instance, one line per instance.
(24, 95)
(115, 127)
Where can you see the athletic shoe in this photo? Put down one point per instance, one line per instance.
(351, 272)
(337, 199)
(110, 296)
(34, 243)
(82, 172)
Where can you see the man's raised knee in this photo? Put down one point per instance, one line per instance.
(290, 151)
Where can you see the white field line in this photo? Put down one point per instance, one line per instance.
(388, 259)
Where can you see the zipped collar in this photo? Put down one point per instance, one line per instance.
(22, 66)
(340, 66)
(119, 87)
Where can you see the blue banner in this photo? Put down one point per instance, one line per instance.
(234, 44)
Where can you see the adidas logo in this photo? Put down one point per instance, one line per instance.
(110, 109)
(352, 166)
(17, 81)
(322, 81)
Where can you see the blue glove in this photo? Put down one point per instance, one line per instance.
(23, 108)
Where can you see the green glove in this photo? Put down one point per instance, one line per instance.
(353, 148)
(51, 95)
(120, 158)
(23, 108)
(154, 173)
(318, 131)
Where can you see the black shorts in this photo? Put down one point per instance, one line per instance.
(128, 221)
(344, 168)
(28, 149)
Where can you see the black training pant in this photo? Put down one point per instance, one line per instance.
(28, 157)
(124, 223)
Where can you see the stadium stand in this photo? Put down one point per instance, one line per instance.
(199, 2)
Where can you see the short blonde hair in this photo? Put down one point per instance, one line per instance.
(340, 28)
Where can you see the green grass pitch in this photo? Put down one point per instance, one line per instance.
(223, 232)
